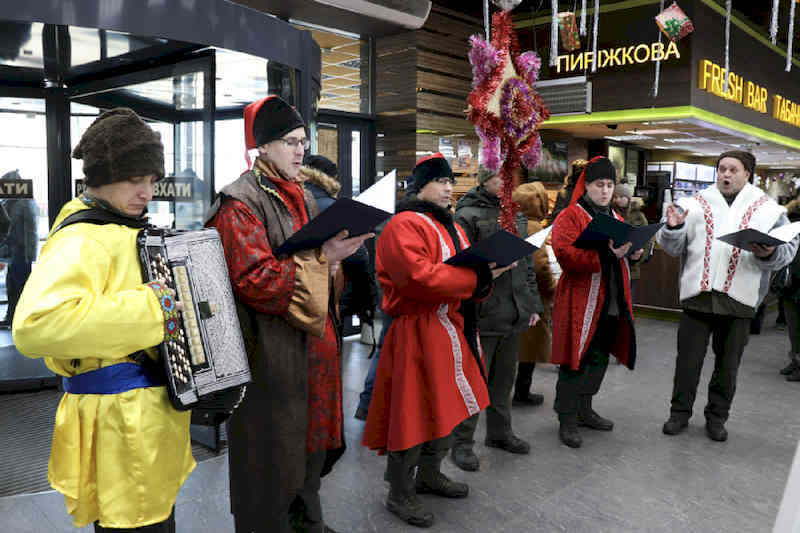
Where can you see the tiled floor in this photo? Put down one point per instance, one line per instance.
(633, 479)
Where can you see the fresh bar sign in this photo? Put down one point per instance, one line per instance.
(165, 190)
(16, 188)
(751, 95)
(619, 57)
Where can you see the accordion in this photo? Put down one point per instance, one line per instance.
(206, 366)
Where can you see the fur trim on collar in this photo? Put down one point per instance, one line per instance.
(320, 179)
(412, 203)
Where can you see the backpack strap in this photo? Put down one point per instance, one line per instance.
(100, 217)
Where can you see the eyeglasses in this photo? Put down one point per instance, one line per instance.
(293, 143)
(444, 180)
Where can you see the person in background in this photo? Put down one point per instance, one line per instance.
(720, 286)
(536, 343)
(565, 194)
(120, 451)
(513, 306)
(359, 298)
(789, 295)
(630, 208)
(430, 375)
(288, 429)
(20, 246)
(593, 313)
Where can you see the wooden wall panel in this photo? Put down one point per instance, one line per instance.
(443, 84)
(442, 104)
(427, 40)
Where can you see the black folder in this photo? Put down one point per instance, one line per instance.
(502, 248)
(604, 227)
(744, 238)
(345, 213)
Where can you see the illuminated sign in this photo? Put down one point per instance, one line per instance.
(751, 95)
(16, 188)
(711, 78)
(619, 57)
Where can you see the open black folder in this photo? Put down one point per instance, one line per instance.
(745, 237)
(603, 227)
(502, 248)
(345, 213)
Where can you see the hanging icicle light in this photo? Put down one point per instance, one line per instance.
(727, 45)
(486, 18)
(773, 27)
(657, 81)
(791, 38)
(596, 22)
(554, 34)
(583, 18)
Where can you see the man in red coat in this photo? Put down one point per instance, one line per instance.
(592, 315)
(430, 376)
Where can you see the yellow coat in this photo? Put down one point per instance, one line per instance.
(117, 458)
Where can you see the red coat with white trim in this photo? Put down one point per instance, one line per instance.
(428, 379)
(581, 295)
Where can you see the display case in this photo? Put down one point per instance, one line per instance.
(687, 179)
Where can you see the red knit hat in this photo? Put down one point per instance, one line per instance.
(599, 167)
(266, 120)
(428, 169)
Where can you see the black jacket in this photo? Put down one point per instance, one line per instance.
(515, 296)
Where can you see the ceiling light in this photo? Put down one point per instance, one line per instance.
(628, 137)
(659, 132)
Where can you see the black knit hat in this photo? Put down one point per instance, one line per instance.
(274, 119)
(748, 160)
(428, 169)
(323, 164)
(117, 146)
(600, 169)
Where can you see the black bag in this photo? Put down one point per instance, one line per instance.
(781, 280)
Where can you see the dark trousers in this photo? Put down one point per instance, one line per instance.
(167, 526)
(575, 388)
(369, 382)
(729, 337)
(427, 456)
(792, 315)
(16, 275)
(305, 511)
(500, 353)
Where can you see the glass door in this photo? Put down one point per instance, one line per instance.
(349, 141)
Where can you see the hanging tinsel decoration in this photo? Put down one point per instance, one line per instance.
(791, 38)
(773, 27)
(505, 108)
(583, 18)
(596, 23)
(554, 34)
(727, 45)
(657, 81)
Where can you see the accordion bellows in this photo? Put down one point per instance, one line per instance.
(207, 365)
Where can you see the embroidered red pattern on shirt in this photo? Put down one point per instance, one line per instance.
(734, 262)
(709, 218)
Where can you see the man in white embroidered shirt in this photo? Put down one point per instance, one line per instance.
(720, 286)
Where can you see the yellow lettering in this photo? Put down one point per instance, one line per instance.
(657, 51)
(672, 49)
(613, 56)
(716, 74)
(576, 62)
(776, 107)
(762, 102)
(705, 74)
(589, 58)
(646, 57)
(627, 58)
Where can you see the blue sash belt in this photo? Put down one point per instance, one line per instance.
(113, 379)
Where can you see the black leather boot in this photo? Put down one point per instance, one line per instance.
(568, 431)
(402, 500)
(430, 479)
(588, 417)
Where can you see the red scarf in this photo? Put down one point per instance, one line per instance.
(290, 192)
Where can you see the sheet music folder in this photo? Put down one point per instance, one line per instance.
(502, 248)
(745, 237)
(603, 227)
(345, 213)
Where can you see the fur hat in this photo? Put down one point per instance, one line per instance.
(323, 164)
(428, 169)
(117, 146)
(269, 119)
(748, 160)
(532, 199)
